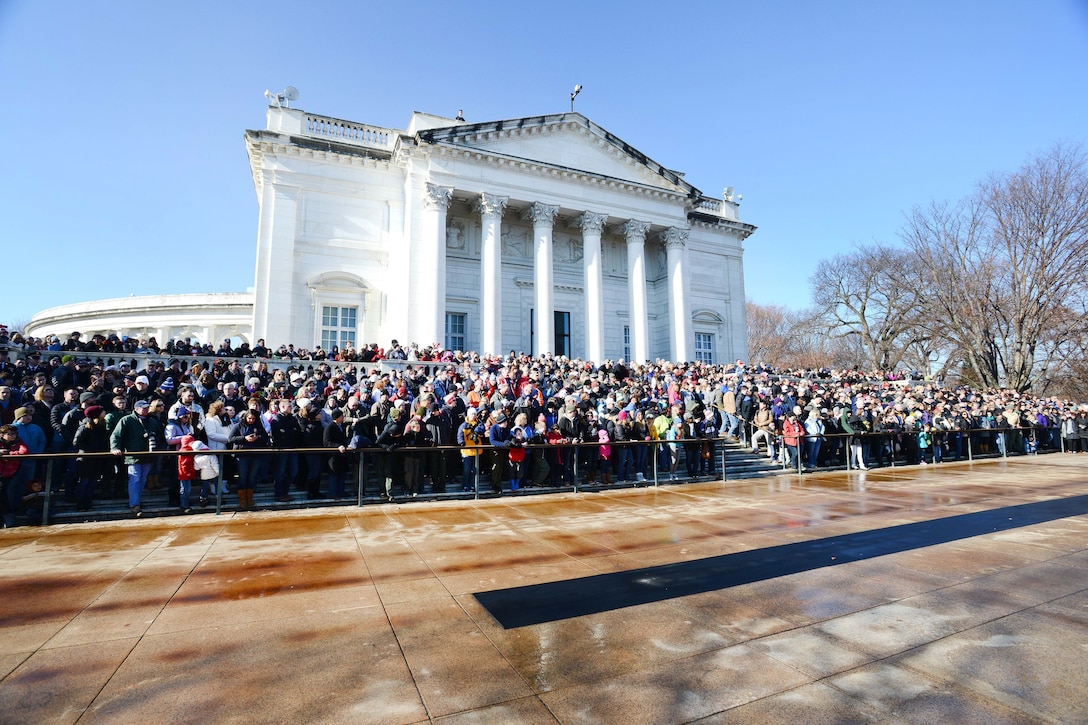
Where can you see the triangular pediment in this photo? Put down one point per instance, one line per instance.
(568, 141)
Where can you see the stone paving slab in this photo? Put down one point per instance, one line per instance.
(383, 614)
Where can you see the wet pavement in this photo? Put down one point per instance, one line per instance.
(941, 594)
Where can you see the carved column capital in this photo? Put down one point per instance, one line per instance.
(538, 213)
(635, 231)
(490, 204)
(437, 197)
(589, 222)
(675, 238)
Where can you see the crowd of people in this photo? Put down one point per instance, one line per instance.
(464, 422)
(114, 344)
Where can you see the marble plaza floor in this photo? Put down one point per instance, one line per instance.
(941, 594)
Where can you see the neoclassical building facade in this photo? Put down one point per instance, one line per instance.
(545, 234)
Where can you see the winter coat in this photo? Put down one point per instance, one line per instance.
(91, 439)
(187, 464)
(134, 435)
(10, 466)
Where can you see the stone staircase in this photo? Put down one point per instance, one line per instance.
(740, 462)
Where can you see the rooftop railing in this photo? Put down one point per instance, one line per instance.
(358, 134)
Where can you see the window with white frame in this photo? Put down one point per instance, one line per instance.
(338, 326)
(455, 331)
(704, 347)
(627, 342)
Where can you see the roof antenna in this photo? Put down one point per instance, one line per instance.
(282, 100)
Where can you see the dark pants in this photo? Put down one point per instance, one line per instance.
(691, 458)
(468, 473)
(248, 469)
(338, 467)
(286, 469)
(498, 468)
(623, 463)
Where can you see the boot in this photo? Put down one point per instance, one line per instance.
(606, 478)
(591, 477)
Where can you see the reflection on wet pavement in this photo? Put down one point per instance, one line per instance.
(937, 594)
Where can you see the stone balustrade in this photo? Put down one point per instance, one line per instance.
(717, 207)
(348, 132)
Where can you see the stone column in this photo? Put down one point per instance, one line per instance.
(635, 231)
(543, 217)
(680, 343)
(431, 294)
(591, 225)
(491, 208)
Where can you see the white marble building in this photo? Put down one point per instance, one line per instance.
(206, 317)
(542, 234)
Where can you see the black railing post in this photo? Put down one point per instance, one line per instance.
(361, 476)
(48, 491)
(576, 449)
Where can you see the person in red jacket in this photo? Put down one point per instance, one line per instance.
(792, 430)
(186, 472)
(10, 445)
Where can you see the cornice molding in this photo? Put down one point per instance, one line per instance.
(260, 148)
(541, 169)
(738, 229)
(554, 123)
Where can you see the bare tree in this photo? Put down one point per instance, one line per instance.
(1040, 220)
(870, 294)
(959, 293)
(1003, 267)
(797, 339)
(814, 348)
(931, 355)
(1064, 371)
(769, 338)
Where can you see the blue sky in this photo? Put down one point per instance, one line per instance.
(125, 170)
